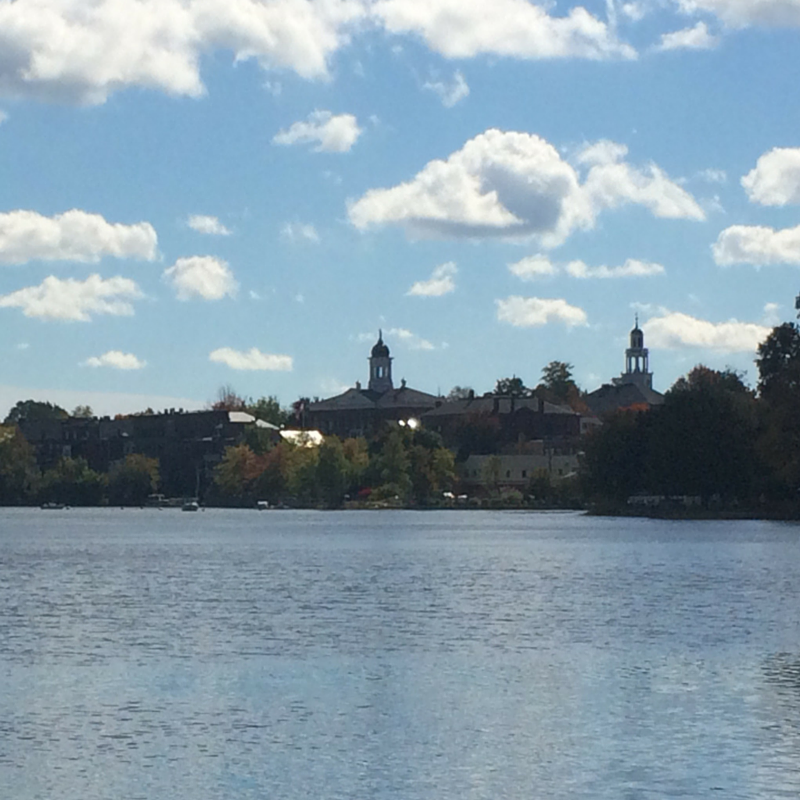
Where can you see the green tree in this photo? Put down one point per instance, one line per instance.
(300, 472)
(269, 409)
(19, 475)
(460, 393)
(393, 464)
(492, 468)
(237, 472)
(72, 482)
(557, 381)
(332, 472)
(34, 411)
(82, 412)
(132, 480)
(511, 386)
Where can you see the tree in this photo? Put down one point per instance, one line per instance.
(779, 361)
(34, 411)
(19, 474)
(393, 464)
(238, 470)
(557, 381)
(460, 393)
(132, 480)
(511, 386)
(332, 472)
(72, 482)
(491, 473)
(269, 409)
(82, 412)
(228, 400)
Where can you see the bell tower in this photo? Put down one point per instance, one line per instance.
(637, 361)
(380, 367)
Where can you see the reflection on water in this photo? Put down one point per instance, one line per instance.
(396, 655)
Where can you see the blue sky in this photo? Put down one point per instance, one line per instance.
(205, 192)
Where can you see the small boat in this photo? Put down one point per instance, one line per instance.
(191, 505)
(52, 506)
(262, 505)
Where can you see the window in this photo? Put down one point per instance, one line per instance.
(508, 473)
(524, 473)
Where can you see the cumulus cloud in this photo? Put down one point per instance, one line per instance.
(516, 185)
(771, 316)
(72, 236)
(252, 359)
(299, 231)
(533, 267)
(632, 268)
(72, 300)
(513, 28)
(79, 51)
(743, 13)
(695, 38)
(115, 359)
(409, 339)
(205, 224)
(449, 93)
(206, 277)
(675, 330)
(758, 245)
(441, 282)
(329, 133)
(775, 179)
(534, 312)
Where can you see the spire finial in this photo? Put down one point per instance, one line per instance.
(637, 319)
(380, 335)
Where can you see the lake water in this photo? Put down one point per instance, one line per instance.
(375, 655)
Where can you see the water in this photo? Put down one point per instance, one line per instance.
(299, 655)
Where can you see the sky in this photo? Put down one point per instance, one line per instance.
(207, 193)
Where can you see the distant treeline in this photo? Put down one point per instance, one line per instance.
(714, 440)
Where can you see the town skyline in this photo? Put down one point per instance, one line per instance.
(248, 191)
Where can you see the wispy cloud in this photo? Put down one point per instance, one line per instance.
(206, 224)
(449, 93)
(299, 232)
(252, 359)
(115, 359)
(440, 283)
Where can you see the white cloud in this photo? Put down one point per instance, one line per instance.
(78, 51)
(206, 277)
(758, 245)
(72, 300)
(539, 266)
(3, 116)
(533, 312)
(771, 315)
(72, 236)
(252, 359)
(742, 13)
(116, 359)
(513, 28)
(695, 38)
(299, 231)
(635, 12)
(533, 267)
(332, 134)
(516, 185)
(775, 180)
(205, 224)
(409, 339)
(449, 93)
(713, 175)
(632, 268)
(441, 282)
(676, 330)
